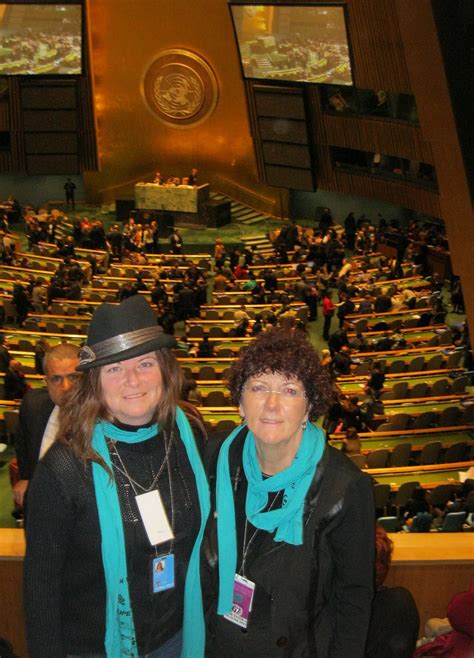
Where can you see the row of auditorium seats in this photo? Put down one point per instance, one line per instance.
(448, 417)
(209, 313)
(422, 389)
(402, 455)
(389, 502)
(363, 325)
(415, 364)
(205, 373)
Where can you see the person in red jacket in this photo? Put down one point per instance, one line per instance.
(328, 312)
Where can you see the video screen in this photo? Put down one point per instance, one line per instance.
(40, 39)
(293, 43)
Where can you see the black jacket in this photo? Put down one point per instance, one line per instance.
(35, 410)
(314, 599)
(64, 584)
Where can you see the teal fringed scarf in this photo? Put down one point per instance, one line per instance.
(287, 521)
(120, 631)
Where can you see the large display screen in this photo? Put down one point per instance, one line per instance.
(304, 43)
(40, 39)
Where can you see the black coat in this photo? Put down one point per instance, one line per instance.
(313, 599)
(35, 410)
(15, 385)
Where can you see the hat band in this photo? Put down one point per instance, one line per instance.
(117, 344)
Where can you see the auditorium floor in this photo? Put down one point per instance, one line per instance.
(230, 234)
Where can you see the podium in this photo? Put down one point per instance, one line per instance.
(176, 199)
(185, 204)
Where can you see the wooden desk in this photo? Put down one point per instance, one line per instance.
(12, 550)
(434, 567)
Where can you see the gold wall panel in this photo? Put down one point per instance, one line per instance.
(125, 38)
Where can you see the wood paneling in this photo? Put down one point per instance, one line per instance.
(289, 105)
(378, 57)
(11, 596)
(88, 152)
(400, 193)
(17, 162)
(434, 567)
(49, 120)
(52, 164)
(4, 115)
(293, 155)
(51, 143)
(281, 128)
(53, 97)
(387, 137)
(289, 177)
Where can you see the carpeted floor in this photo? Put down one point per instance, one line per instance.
(6, 502)
(230, 233)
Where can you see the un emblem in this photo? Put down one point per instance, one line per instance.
(180, 88)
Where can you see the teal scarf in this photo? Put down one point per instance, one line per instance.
(120, 631)
(287, 522)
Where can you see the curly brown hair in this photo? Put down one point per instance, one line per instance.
(289, 353)
(384, 550)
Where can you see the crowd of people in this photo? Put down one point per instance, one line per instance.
(320, 276)
(288, 553)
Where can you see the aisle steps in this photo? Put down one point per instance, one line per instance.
(239, 212)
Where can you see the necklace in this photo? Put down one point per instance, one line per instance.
(246, 545)
(134, 484)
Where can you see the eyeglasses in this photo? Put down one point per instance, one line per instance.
(57, 380)
(287, 392)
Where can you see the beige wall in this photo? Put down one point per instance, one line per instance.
(125, 37)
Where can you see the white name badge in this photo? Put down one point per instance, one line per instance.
(154, 517)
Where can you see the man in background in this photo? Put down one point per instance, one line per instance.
(15, 385)
(39, 412)
(70, 190)
(5, 356)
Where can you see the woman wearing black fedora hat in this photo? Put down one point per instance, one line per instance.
(118, 505)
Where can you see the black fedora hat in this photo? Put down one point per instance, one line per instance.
(118, 332)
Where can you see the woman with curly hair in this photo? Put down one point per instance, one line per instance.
(294, 536)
